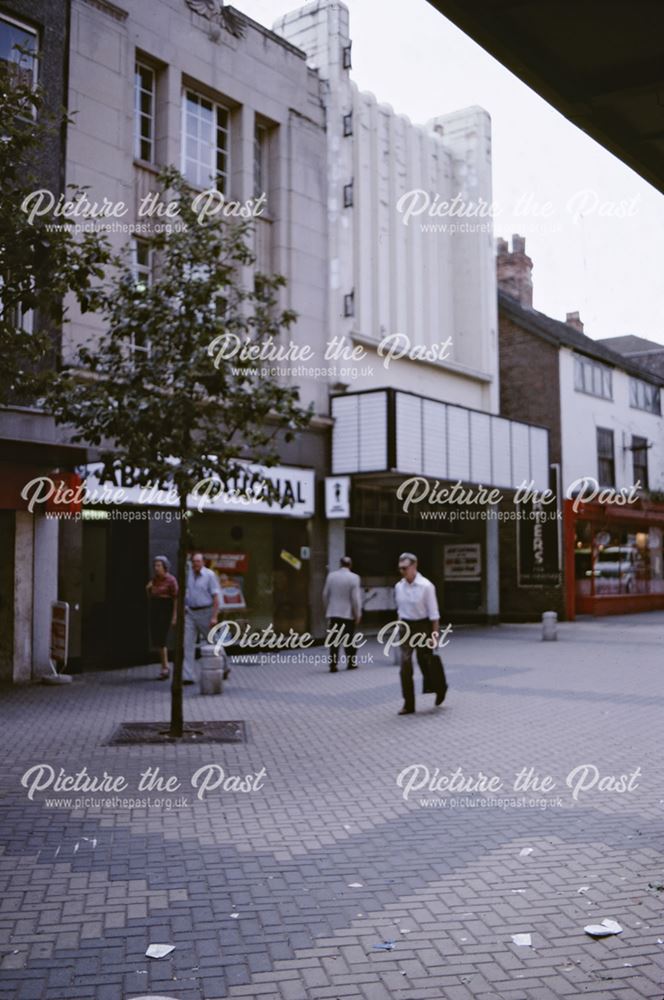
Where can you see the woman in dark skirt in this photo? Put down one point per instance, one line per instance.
(163, 589)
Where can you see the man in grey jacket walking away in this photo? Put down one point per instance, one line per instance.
(343, 609)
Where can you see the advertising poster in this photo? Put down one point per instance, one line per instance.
(230, 568)
(355, 308)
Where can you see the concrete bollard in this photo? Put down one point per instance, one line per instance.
(549, 626)
(211, 670)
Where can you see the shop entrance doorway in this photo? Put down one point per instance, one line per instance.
(115, 569)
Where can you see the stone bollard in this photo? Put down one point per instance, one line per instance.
(211, 670)
(549, 626)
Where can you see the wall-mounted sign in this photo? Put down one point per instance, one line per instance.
(256, 489)
(538, 546)
(463, 562)
(337, 497)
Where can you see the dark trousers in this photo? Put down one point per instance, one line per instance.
(428, 662)
(345, 630)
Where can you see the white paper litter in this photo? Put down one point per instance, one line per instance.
(525, 851)
(522, 939)
(159, 950)
(355, 885)
(582, 890)
(235, 916)
(605, 929)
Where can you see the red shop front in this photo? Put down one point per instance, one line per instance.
(614, 558)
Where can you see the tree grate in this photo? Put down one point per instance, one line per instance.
(194, 732)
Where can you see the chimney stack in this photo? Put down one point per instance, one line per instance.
(573, 319)
(514, 270)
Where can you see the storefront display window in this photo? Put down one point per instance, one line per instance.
(612, 560)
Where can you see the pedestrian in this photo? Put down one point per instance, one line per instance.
(162, 590)
(417, 606)
(202, 598)
(343, 609)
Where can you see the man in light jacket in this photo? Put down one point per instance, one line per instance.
(343, 609)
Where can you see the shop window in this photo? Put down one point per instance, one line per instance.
(640, 460)
(592, 377)
(644, 396)
(611, 561)
(606, 463)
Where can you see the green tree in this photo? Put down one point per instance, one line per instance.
(153, 392)
(41, 258)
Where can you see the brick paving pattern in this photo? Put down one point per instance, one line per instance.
(283, 892)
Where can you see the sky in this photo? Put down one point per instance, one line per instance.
(598, 245)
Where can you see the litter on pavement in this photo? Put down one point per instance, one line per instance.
(525, 851)
(522, 939)
(384, 946)
(159, 950)
(605, 929)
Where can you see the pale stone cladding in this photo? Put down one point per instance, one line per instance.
(387, 277)
(260, 80)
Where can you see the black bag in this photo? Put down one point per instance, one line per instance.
(434, 680)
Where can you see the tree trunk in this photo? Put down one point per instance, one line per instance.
(177, 721)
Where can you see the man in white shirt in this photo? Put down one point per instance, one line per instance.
(201, 610)
(417, 606)
(343, 609)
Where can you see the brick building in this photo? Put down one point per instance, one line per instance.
(603, 413)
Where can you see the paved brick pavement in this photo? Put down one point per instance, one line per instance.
(284, 891)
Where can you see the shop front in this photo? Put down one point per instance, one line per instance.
(616, 557)
(261, 552)
(427, 477)
(450, 554)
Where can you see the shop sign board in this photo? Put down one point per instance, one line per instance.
(463, 562)
(288, 491)
(538, 546)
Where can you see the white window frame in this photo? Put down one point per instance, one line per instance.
(644, 396)
(593, 378)
(139, 115)
(260, 159)
(29, 30)
(23, 319)
(213, 178)
(141, 272)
